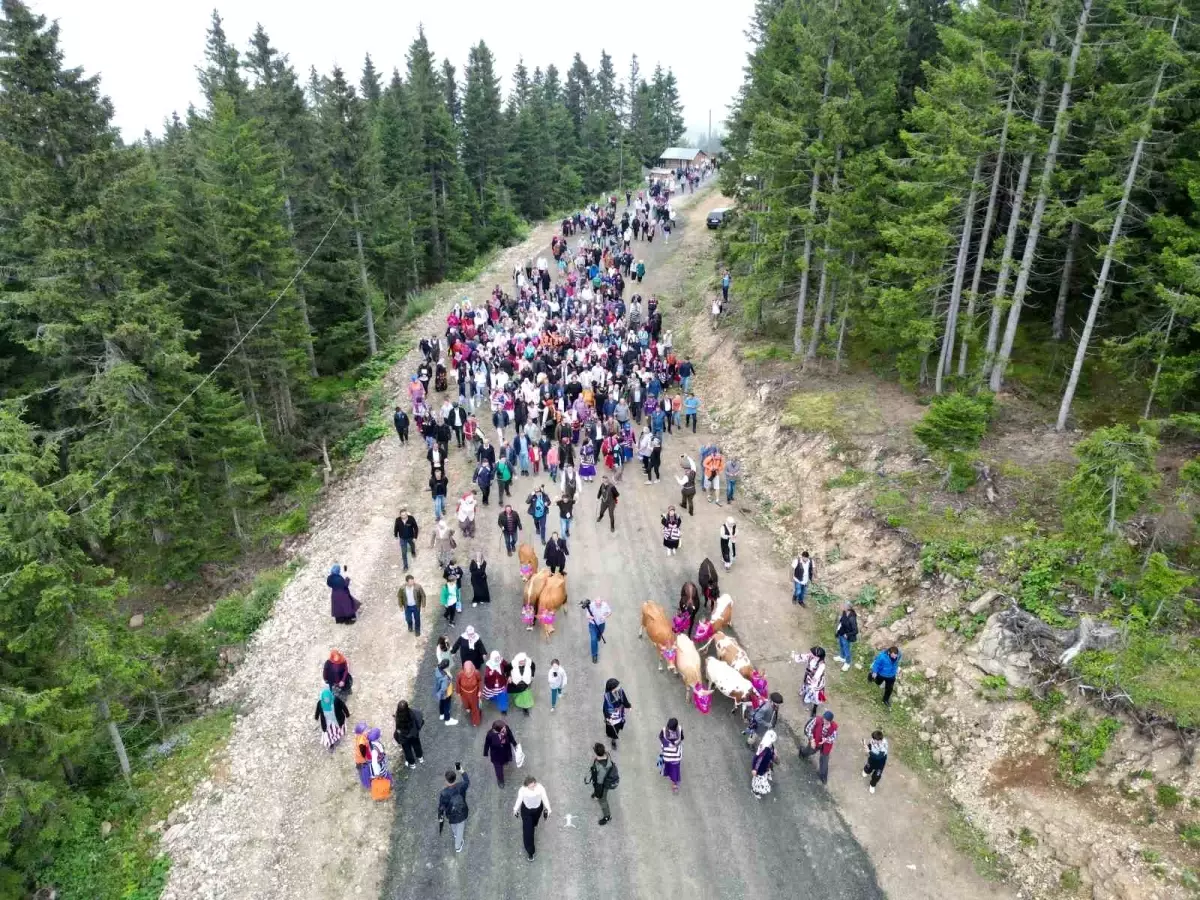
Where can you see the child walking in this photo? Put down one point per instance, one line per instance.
(557, 676)
(877, 754)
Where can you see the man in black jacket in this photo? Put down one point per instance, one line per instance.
(607, 495)
(457, 418)
(452, 804)
(510, 524)
(406, 531)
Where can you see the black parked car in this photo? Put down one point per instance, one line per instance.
(717, 217)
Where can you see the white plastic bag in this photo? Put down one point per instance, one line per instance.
(519, 755)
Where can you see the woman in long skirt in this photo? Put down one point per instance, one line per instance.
(495, 681)
(331, 716)
(480, 593)
(672, 527)
(615, 704)
(729, 542)
(587, 461)
(671, 754)
(520, 682)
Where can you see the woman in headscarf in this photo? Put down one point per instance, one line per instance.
(379, 768)
(469, 684)
(331, 716)
(362, 755)
(672, 529)
(671, 741)
(343, 606)
(729, 542)
(443, 691)
(337, 674)
(812, 687)
(469, 647)
(520, 682)
(615, 704)
(495, 681)
(498, 746)
(443, 542)
(466, 514)
(407, 734)
(760, 769)
(479, 582)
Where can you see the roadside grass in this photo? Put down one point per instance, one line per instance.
(970, 840)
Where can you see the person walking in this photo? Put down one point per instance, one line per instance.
(400, 420)
(470, 648)
(803, 572)
(520, 682)
(438, 485)
(608, 496)
(407, 733)
(726, 282)
(412, 601)
(812, 683)
(877, 754)
(821, 734)
(672, 530)
(566, 512)
(847, 634)
(765, 717)
(452, 805)
(331, 715)
(598, 612)
(469, 684)
(443, 691)
(714, 465)
(884, 670)
(538, 506)
(556, 554)
(654, 469)
(483, 478)
(465, 513)
(442, 541)
(615, 704)
(456, 419)
(556, 678)
(602, 776)
(729, 542)
(451, 598)
(510, 525)
(342, 604)
(406, 531)
(733, 471)
(499, 745)
(495, 681)
(670, 756)
(504, 477)
(760, 766)
(532, 806)
(691, 411)
(480, 592)
(687, 485)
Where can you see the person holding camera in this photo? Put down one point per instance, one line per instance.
(598, 612)
(452, 805)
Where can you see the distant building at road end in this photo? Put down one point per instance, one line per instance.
(683, 158)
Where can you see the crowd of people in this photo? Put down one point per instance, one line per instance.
(559, 380)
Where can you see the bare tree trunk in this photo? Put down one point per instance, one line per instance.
(813, 188)
(837, 359)
(960, 273)
(1061, 124)
(301, 299)
(989, 219)
(114, 735)
(237, 331)
(327, 469)
(824, 282)
(1064, 283)
(1158, 368)
(1102, 280)
(372, 345)
(1014, 224)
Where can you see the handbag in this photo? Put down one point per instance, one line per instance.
(660, 763)
(519, 755)
(381, 788)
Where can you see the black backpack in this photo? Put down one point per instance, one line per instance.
(458, 805)
(613, 778)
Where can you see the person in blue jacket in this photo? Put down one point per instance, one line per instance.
(884, 671)
(691, 406)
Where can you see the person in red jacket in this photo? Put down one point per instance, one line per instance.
(821, 734)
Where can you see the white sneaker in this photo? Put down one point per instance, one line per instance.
(872, 790)
(864, 774)
(846, 667)
(473, 605)
(451, 721)
(648, 481)
(838, 659)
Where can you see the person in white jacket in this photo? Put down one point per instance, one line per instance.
(557, 678)
(532, 806)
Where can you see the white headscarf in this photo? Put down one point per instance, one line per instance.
(768, 740)
(522, 671)
(495, 661)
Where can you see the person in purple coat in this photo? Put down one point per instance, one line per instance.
(343, 606)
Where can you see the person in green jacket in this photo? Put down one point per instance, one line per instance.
(451, 599)
(640, 269)
(504, 477)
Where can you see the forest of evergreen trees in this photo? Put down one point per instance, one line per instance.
(977, 194)
(165, 376)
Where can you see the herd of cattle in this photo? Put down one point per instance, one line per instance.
(679, 641)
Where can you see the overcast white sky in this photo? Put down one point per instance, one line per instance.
(146, 51)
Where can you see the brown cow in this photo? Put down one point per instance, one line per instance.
(729, 652)
(552, 598)
(722, 614)
(532, 592)
(527, 556)
(656, 624)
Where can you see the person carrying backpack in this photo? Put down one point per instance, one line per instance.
(539, 509)
(615, 704)
(452, 804)
(603, 777)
